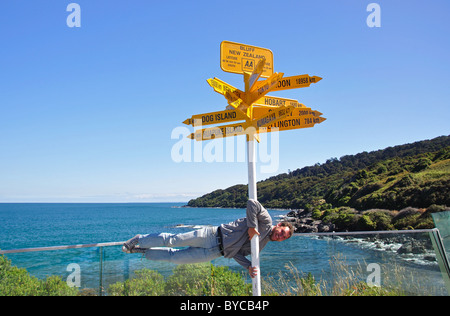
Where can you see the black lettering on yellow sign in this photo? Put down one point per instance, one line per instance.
(207, 118)
(302, 80)
(247, 48)
(274, 102)
(226, 116)
(250, 55)
(289, 123)
(303, 112)
(215, 84)
(220, 131)
(247, 64)
(263, 89)
(266, 120)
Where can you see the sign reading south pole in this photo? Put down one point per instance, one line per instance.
(239, 58)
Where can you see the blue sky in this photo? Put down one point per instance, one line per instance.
(87, 114)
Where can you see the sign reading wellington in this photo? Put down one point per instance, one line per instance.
(239, 58)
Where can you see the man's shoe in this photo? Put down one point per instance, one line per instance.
(130, 244)
(138, 249)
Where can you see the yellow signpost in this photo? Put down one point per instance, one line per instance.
(259, 112)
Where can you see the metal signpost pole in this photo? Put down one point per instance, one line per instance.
(252, 194)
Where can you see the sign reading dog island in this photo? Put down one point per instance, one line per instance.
(257, 112)
(239, 58)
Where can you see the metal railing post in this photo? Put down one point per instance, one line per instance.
(100, 289)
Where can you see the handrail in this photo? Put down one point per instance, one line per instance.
(106, 244)
(369, 232)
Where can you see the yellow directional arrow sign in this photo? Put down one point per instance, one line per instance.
(239, 58)
(272, 117)
(259, 112)
(232, 94)
(270, 101)
(295, 82)
(215, 118)
(222, 87)
(305, 111)
(293, 122)
(235, 101)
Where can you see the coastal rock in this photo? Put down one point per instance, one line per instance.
(304, 223)
(412, 247)
(303, 228)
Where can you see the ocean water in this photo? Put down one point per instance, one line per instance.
(28, 225)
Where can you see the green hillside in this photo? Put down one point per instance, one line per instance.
(410, 175)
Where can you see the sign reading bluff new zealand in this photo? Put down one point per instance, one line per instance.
(239, 58)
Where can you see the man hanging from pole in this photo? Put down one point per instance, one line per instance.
(230, 240)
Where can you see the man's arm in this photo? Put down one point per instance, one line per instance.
(244, 262)
(256, 213)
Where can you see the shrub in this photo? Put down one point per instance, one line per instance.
(316, 214)
(365, 223)
(146, 283)
(224, 282)
(422, 164)
(186, 280)
(17, 282)
(381, 218)
(407, 218)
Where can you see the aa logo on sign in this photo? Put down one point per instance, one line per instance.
(248, 64)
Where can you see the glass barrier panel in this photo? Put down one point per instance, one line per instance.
(442, 222)
(393, 263)
(387, 263)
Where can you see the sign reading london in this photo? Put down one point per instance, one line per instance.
(253, 110)
(239, 58)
